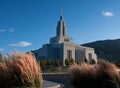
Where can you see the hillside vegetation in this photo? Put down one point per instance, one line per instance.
(106, 49)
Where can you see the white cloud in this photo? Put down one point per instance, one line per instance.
(7, 30)
(11, 30)
(107, 14)
(2, 30)
(21, 44)
(1, 49)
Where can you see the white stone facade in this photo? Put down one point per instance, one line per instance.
(62, 47)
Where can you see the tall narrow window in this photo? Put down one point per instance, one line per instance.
(69, 54)
(63, 25)
(63, 31)
(79, 55)
(90, 56)
(58, 29)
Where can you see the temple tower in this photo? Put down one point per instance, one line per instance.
(61, 36)
(61, 27)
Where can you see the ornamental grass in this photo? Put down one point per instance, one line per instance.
(21, 71)
(101, 75)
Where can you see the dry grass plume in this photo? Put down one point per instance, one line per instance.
(20, 70)
(102, 75)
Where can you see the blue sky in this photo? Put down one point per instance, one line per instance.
(28, 24)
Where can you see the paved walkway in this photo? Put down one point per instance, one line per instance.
(60, 78)
(50, 84)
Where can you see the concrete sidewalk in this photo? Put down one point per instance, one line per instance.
(60, 78)
(50, 84)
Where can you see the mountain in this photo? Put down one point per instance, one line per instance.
(106, 49)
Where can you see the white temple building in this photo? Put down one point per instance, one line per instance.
(62, 47)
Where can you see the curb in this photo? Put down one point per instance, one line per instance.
(50, 84)
(57, 86)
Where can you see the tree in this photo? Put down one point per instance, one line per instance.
(57, 63)
(67, 62)
(43, 62)
(72, 61)
(93, 61)
(1, 57)
(50, 63)
(86, 60)
(78, 62)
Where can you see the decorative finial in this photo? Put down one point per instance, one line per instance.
(61, 11)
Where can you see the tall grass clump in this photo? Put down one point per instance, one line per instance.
(102, 75)
(20, 70)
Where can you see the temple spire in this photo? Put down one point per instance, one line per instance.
(61, 27)
(61, 36)
(61, 11)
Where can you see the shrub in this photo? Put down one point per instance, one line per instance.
(43, 62)
(78, 62)
(102, 75)
(67, 62)
(93, 61)
(86, 60)
(20, 70)
(1, 57)
(57, 63)
(72, 61)
(50, 63)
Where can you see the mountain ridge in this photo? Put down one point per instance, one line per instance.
(107, 49)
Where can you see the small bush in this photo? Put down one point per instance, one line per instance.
(43, 62)
(102, 75)
(69, 62)
(93, 61)
(57, 63)
(20, 70)
(50, 63)
(1, 57)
